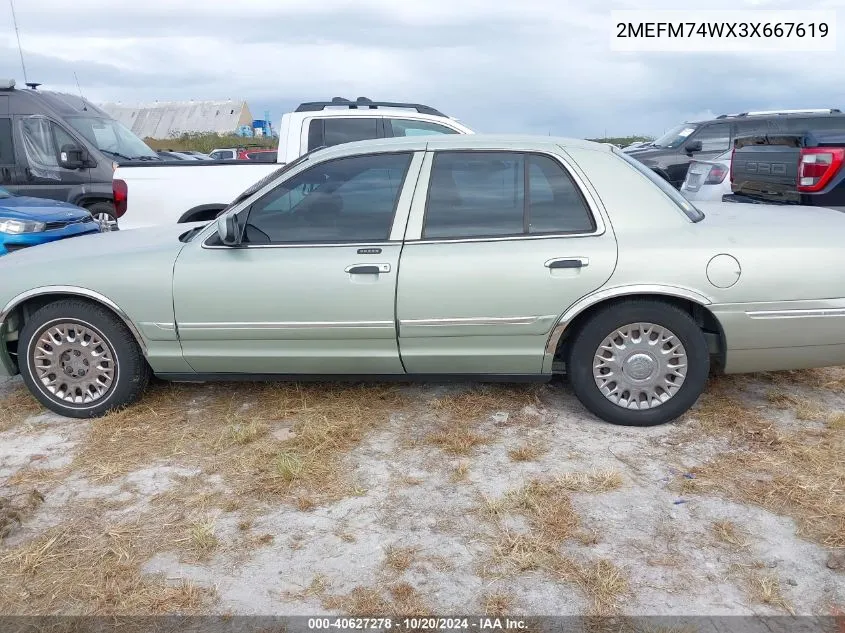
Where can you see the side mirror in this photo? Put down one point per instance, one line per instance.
(692, 147)
(227, 230)
(71, 157)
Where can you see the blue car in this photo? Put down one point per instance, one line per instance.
(30, 221)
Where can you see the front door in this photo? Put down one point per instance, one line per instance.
(39, 142)
(312, 288)
(504, 243)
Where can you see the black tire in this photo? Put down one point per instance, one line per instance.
(104, 209)
(586, 341)
(130, 373)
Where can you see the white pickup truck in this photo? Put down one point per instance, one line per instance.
(153, 193)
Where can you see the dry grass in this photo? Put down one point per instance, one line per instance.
(764, 588)
(798, 473)
(16, 407)
(89, 567)
(729, 533)
(463, 413)
(546, 506)
(460, 473)
(201, 538)
(15, 507)
(400, 599)
(220, 436)
(399, 559)
(497, 603)
(527, 452)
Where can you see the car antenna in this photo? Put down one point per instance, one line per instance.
(18, 36)
(84, 105)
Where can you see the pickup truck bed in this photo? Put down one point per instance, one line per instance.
(797, 169)
(154, 199)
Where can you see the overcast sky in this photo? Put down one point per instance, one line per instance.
(537, 66)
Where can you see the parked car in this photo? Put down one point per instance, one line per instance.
(170, 154)
(708, 179)
(153, 194)
(229, 153)
(60, 146)
(671, 154)
(26, 221)
(798, 169)
(456, 257)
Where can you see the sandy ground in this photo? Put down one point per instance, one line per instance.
(424, 527)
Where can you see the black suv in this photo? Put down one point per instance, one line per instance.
(60, 146)
(670, 155)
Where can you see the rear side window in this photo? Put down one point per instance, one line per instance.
(489, 194)
(409, 127)
(337, 130)
(7, 155)
(714, 138)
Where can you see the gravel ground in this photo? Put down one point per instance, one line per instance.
(426, 526)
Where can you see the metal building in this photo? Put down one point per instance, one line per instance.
(167, 119)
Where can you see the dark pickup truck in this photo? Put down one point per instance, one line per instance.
(799, 169)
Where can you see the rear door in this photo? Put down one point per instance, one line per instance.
(501, 245)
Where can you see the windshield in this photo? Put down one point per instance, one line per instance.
(686, 206)
(5, 193)
(676, 136)
(112, 137)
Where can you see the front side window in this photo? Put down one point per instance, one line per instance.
(409, 127)
(714, 138)
(675, 137)
(333, 131)
(489, 194)
(112, 137)
(7, 154)
(344, 200)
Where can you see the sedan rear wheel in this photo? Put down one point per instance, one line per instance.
(80, 360)
(639, 363)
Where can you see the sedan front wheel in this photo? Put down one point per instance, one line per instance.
(639, 363)
(79, 360)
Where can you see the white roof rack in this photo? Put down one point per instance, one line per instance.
(808, 111)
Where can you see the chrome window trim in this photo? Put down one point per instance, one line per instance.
(81, 292)
(417, 219)
(400, 217)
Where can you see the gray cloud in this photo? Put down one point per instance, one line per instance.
(539, 66)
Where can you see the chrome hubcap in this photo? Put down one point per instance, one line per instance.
(74, 363)
(640, 366)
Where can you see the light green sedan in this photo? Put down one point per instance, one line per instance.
(439, 258)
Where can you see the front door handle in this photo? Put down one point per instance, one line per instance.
(567, 262)
(367, 269)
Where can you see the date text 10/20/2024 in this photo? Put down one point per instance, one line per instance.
(425, 623)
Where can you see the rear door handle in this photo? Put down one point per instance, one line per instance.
(367, 269)
(567, 262)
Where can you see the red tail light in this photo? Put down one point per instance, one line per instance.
(716, 174)
(817, 166)
(120, 192)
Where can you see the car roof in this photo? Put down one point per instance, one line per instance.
(764, 117)
(505, 142)
(63, 104)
